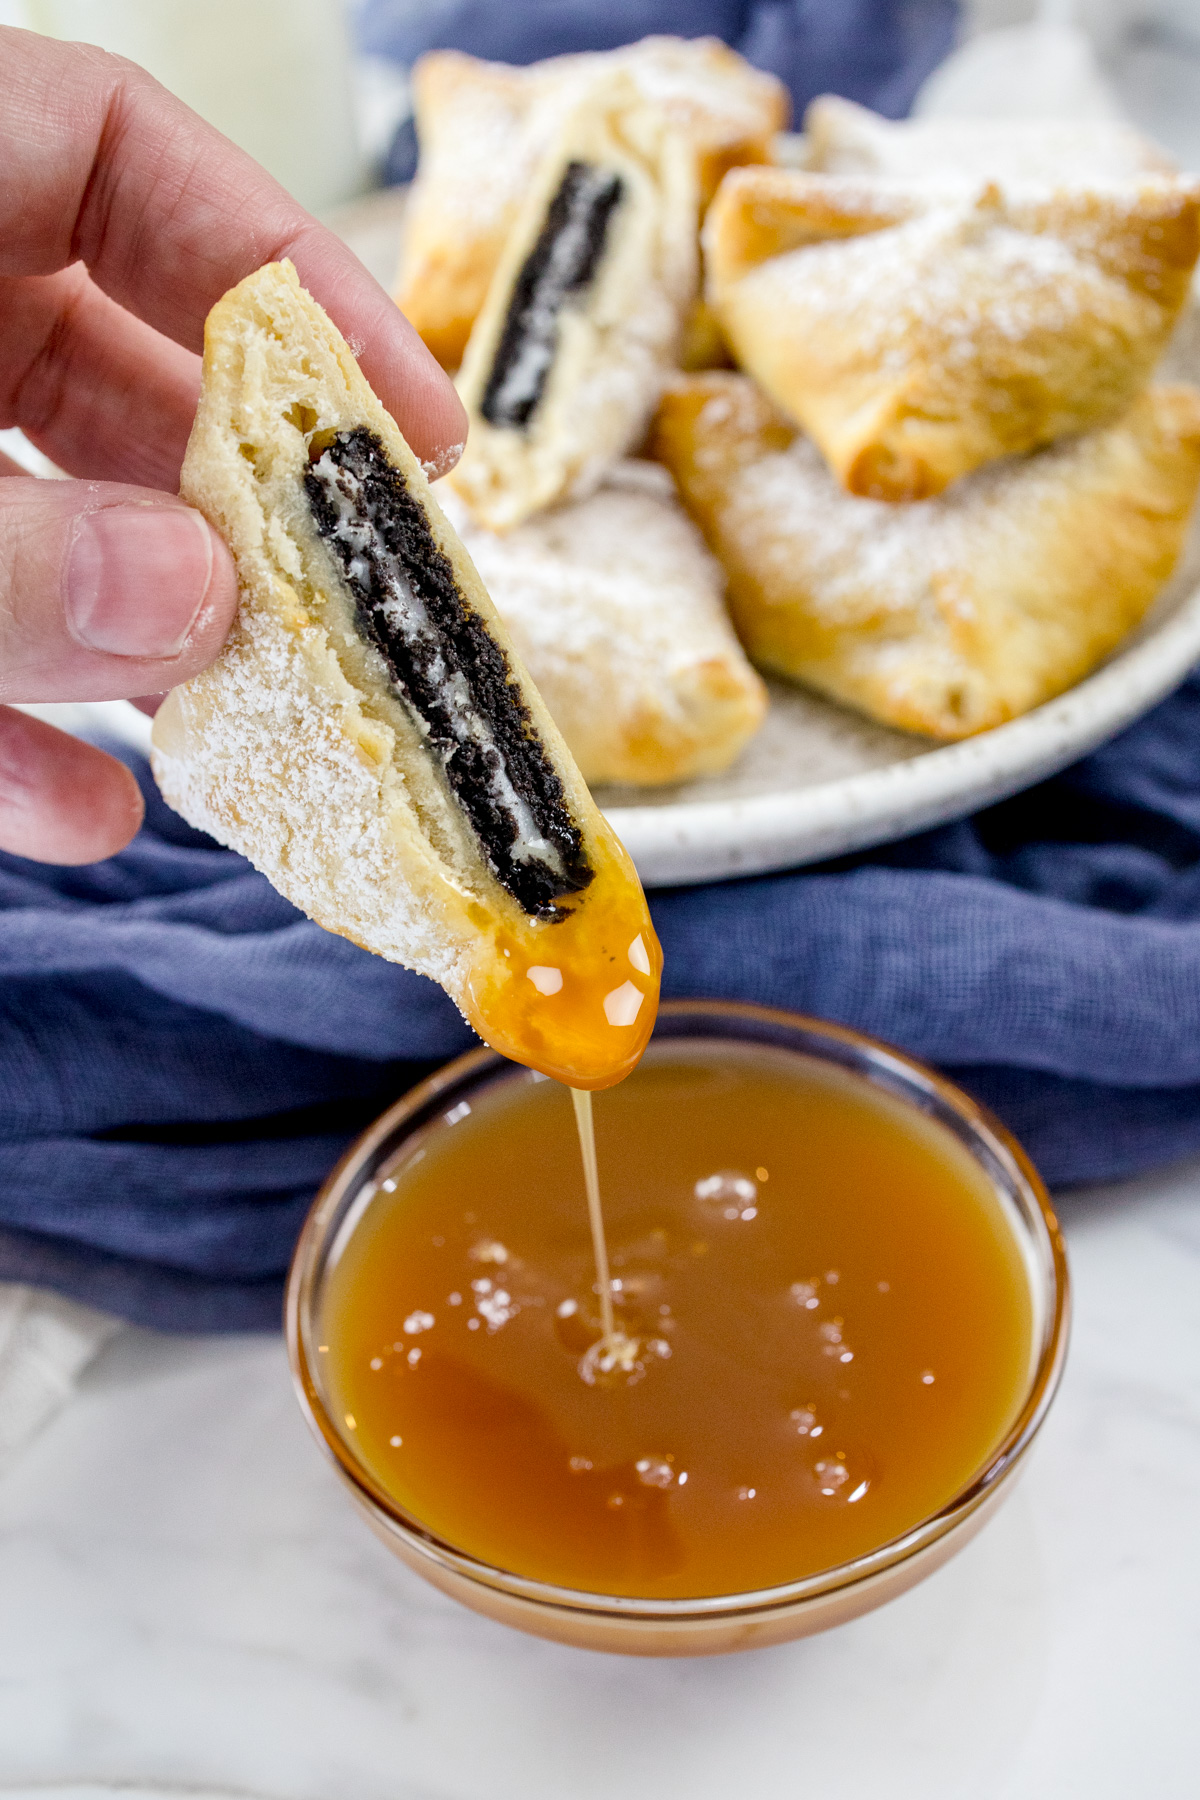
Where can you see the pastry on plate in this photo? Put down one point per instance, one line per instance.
(618, 612)
(585, 313)
(843, 138)
(368, 736)
(483, 128)
(953, 614)
(916, 335)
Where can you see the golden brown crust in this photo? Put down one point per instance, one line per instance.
(484, 126)
(918, 336)
(950, 615)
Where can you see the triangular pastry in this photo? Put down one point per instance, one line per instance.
(483, 128)
(618, 612)
(917, 335)
(585, 313)
(953, 614)
(368, 736)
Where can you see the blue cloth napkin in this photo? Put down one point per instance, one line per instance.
(875, 51)
(183, 1056)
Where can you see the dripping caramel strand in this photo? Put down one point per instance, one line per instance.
(615, 1350)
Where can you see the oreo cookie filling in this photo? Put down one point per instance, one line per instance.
(448, 670)
(562, 262)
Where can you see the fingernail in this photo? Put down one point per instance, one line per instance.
(136, 577)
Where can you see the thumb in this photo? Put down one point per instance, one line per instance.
(106, 591)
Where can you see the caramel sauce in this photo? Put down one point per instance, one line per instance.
(575, 998)
(822, 1317)
(585, 1125)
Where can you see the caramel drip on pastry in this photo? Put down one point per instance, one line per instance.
(561, 263)
(577, 999)
(448, 669)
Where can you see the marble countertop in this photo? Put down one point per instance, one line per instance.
(189, 1607)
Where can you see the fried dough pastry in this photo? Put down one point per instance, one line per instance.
(584, 317)
(916, 336)
(953, 614)
(484, 127)
(368, 736)
(618, 612)
(843, 138)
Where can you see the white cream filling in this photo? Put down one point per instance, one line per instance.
(539, 319)
(407, 615)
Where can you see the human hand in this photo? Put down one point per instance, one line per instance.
(123, 217)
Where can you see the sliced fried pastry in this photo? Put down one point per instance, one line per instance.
(618, 612)
(916, 336)
(584, 317)
(483, 128)
(368, 736)
(953, 614)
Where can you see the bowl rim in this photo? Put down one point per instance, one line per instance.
(1026, 1189)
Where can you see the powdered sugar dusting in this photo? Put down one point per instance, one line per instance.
(963, 274)
(443, 462)
(483, 133)
(872, 563)
(617, 609)
(279, 780)
(947, 614)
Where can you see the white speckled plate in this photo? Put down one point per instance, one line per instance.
(820, 780)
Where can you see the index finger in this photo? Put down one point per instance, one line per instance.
(103, 164)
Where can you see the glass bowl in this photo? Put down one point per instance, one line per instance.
(688, 1627)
